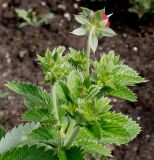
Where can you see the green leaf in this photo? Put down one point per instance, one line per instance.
(24, 14)
(128, 80)
(38, 114)
(86, 11)
(63, 93)
(28, 153)
(34, 95)
(16, 136)
(103, 105)
(79, 31)
(62, 154)
(2, 132)
(93, 91)
(92, 146)
(93, 41)
(76, 153)
(81, 19)
(108, 32)
(74, 83)
(118, 128)
(46, 133)
(120, 92)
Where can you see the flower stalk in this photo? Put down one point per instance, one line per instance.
(55, 104)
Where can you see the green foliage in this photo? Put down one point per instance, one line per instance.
(30, 18)
(142, 7)
(28, 153)
(93, 24)
(3, 95)
(114, 77)
(54, 64)
(16, 136)
(75, 119)
(2, 132)
(33, 95)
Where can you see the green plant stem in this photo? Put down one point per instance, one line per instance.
(55, 104)
(71, 138)
(88, 56)
(89, 50)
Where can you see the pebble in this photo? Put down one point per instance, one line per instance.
(8, 59)
(135, 49)
(138, 118)
(147, 136)
(114, 100)
(61, 6)
(43, 3)
(124, 35)
(67, 16)
(5, 5)
(76, 6)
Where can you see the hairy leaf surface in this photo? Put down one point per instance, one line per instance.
(16, 136)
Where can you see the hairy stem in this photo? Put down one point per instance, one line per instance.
(69, 141)
(88, 56)
(55, 105)
(89, 51)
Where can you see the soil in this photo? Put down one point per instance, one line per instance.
(134, 43)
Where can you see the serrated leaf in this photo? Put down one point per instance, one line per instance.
(118, 128)
(103, 105)
(74, 83)
(128, 80)
(79, 31)
(85, 133)
(16, 136)
(46, 133)
(120, 92)
(38, 114)
(34, 95)
(63, 93)
(108, 32)
(28, 153)
(91, 146)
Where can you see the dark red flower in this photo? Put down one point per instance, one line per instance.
(104, 17)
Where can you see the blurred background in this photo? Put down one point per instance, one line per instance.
(28, 27)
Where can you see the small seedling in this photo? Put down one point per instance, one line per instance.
(75, 119)
(3, 94)
(30, 18)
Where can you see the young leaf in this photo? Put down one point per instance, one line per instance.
(107, 32)
(92, 146)
(16, 136)
(79, 31)
(93, 41)
(81, 19)
(120, 92)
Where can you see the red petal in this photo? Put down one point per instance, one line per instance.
(104, 16)
(108, 24)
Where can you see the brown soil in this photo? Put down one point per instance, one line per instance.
(134, 43)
